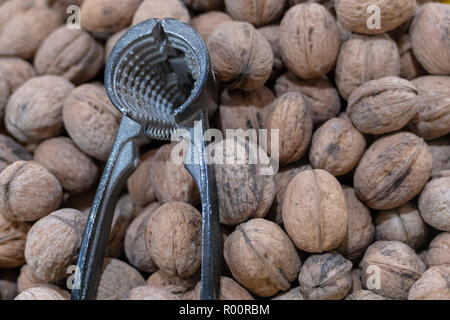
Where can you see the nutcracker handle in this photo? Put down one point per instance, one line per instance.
(122, 161)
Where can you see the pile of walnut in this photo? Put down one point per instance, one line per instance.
(360, 208)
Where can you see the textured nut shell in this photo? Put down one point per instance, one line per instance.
(363, 58)
(11, 151)
(309, 40)
(175, 285)
(392, 171)
(439, 250)
(206, 22)
(12, 242)
(293, 294)
(229, 290)
(170, 180)
(123, 215)
(282, 179)
(272, 35)
(173, 236)
(433, 109)
(103, 17)
(72, 54)
(244, 109)
(204, 5)
(139, 184)
(383, 105)
(434, 203)
(360, 229)
(356, 16)
(91, 120)
(161, 9)
(150, 293)
(261, 257)
(135, 245)
(243, 190)
(23, 31)
(53, 244)
(402, 224)
(256, 12)
(28, 280)
(325, 277)
(364, 295)
(410, 68)
(60, 156)
(440, 153)
(399, 267)
(430, 37)
(111, 42)
(34, 111)
(433, 285)
(117, 280)
(291, 115)
(16, 71)
(323, 99)
(41, 293)
(240, 55)
(336, 147)
(314, 211)
(28, 191)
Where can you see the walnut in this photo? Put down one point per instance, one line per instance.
(360, 229)
(205, 5)
(393, 170)
(429, 37)
(24, 27)
(104, 17)
(433, 285)
(123, 215)
(170, 179)
(91, 120)
(53, 244)
(60, 156)
(293, 294)
(42, 293)
(434, 203)
(291, 116)
(322, 97)
(160, 9)
(28, 280)
(336, 147)
(34, 111)
(402, 224)
(139, 183)
(16, 71)
(12, 242)
(240, 56)
(260, 13)
(439, 250)
(135, 245)
(272, 35)
(117, 280)
(261, 257)
(72, 54)
(229, 290)
(175, 285)
(309, 40)
(244, 109)
(440, 153)
(11, 151)
(357, 16)
(244, 191)
(325, 277)
(314, 211)
(206, 22)
(364, 295)
(433, 109)
(111, 42)
(28, 191)
(410, 68)
(173, 236)
(150, 293)
(383, 105)
(395, 264)
(364, 58)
